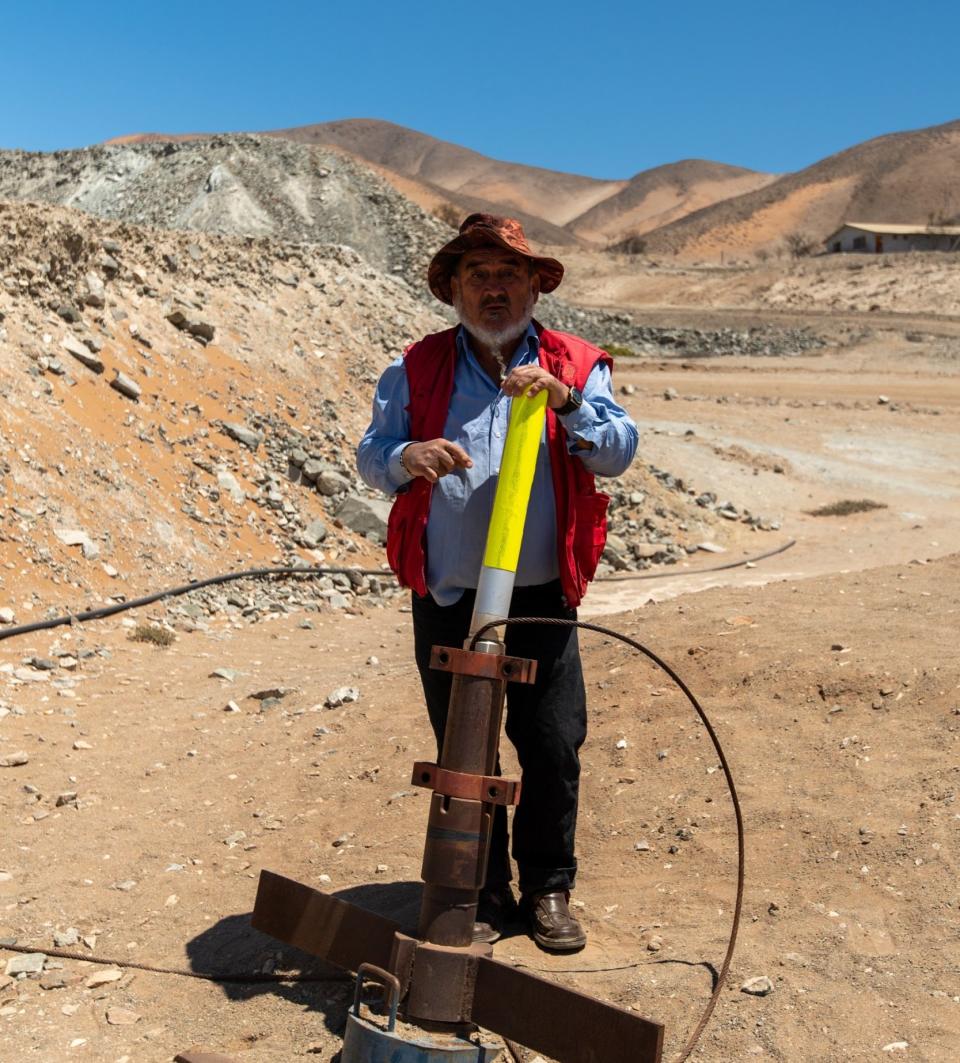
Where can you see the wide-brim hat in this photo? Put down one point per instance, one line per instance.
(487, 230)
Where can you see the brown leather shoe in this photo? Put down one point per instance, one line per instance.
(551, 923)
(496, 907)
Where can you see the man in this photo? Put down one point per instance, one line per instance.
(440, 417)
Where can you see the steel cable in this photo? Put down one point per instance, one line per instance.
(691, 697)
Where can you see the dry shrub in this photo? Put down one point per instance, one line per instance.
(156, 636)
(845, 507)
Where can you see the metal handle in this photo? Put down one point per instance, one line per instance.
(390, 983)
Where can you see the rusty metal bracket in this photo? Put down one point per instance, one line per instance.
(490, 789)
(484, 665)
(443, 980)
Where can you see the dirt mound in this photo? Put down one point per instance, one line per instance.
(236, 185)
(177, 405)
(899, 178)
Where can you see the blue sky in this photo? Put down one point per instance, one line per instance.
(603, 88)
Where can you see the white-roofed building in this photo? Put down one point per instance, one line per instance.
(880, 238)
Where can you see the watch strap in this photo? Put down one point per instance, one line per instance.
(574, 402)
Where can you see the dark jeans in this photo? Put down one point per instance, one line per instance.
(546, 722)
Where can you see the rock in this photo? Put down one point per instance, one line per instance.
(670, 393)
(104, 977)
(231, 706)
(642, 846)
(711, 548)
(26, 963)
(341, 696)
(201, 330)
(332, 483)
(757, 987)
(94, 294)
(125, 385)
(271, 693)
(366, 516)
(225, 673)
(78, 537)
(68, 313)
(63, 939)
(14, 760)
(68, 797)
(314, 533)
(896, 1046)
(42, 664)
(247, 436)
(226, 481)
(73, 346)
(121, 1017)
(7, 615)
(311, 469)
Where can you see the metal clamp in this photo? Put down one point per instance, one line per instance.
(490, 789)
(390, 983)
(484, 665)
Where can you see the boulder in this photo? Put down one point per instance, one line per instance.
(366, 516)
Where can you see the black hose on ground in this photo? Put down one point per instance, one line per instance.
(738, 814)
(295, 570)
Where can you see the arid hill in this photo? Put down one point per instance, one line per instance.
(556, 208)
(656, 197)
(902, 177)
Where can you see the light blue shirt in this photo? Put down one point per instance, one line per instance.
(477, 420)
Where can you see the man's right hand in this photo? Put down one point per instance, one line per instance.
(435, 458)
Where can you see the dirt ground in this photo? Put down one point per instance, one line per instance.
(829, 672)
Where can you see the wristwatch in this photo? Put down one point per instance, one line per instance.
(574, 402)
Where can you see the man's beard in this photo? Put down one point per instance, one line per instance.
(499, 340)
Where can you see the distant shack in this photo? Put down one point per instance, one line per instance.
(877, 239)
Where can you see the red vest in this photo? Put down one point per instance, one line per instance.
(581, 509)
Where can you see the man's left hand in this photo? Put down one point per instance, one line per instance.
(532, 379)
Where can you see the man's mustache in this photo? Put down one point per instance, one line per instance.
(497, 300)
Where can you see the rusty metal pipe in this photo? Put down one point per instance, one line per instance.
(458, 830)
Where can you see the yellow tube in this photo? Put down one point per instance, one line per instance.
(519, 463)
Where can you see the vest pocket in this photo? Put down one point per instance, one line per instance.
(589, 532)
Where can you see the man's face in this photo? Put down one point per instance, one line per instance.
(494, 293)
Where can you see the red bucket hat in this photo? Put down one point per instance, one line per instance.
(487, 230)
